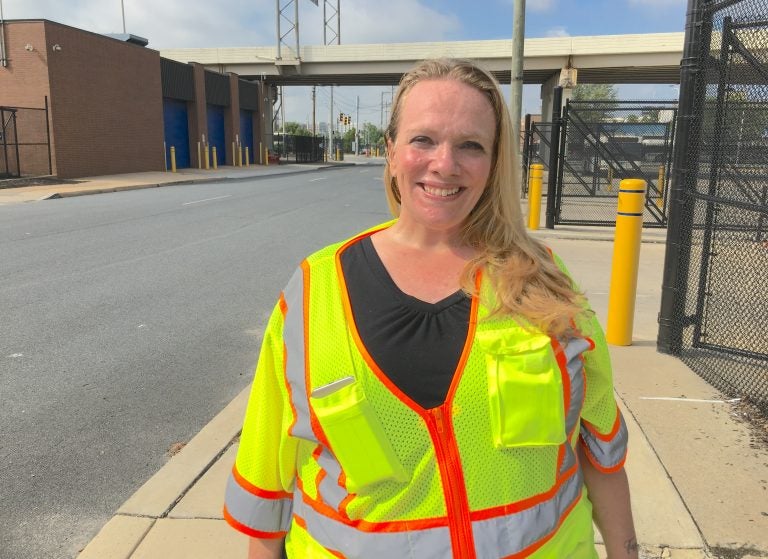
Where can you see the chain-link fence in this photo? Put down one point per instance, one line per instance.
(714, 311)
(24, 142)
(603, 142)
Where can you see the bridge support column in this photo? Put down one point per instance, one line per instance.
(547, 94)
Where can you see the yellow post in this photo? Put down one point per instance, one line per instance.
(660, 186)
(199, 157)
(207, 157)
(173, 159)
(534, 196)
(338, 154)
(266, 157)
(215, 159)
(626, 260)
(247, 157)
(240, 157)
(261, 154)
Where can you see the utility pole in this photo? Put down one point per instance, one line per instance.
(516, 95)
(330, 128)
(314, 122)
(357, 127)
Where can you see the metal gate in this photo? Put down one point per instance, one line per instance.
(176, 129)
(603, 142)
(714, 304)
(25, 146)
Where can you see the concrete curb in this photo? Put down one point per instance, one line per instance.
(120, 537)
(226, 178)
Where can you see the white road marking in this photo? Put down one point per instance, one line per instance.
(694, 400)
(318, 179)
(14, 355)
(206, 200)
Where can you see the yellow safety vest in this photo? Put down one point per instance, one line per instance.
(335, 457)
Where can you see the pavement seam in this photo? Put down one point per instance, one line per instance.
(669, 477)
(208, 466)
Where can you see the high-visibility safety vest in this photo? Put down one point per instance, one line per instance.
(337, 459)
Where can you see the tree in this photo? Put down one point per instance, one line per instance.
(295, 129)
(596, 92)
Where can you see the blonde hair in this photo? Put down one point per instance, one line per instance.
(526, 280)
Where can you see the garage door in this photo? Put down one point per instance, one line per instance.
(216, 132)
(176, 131)
(246, 133)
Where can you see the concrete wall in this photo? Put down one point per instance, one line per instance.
(106, 104)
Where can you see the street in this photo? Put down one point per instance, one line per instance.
(129, 320)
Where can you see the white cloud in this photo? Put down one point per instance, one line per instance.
(558, 31)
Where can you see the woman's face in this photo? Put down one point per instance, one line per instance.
(442, 154)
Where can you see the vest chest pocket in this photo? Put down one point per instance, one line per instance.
(525, 389)
(356, 436)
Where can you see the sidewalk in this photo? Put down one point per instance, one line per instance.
(699, 485)
(154, 179)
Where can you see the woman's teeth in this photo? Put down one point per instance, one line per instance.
(441, 191)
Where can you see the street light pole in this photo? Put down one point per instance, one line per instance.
(516, 95)
(122, 7)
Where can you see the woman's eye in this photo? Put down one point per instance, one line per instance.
(473, 146)
(420, 140)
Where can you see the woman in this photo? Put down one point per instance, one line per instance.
(434, 387)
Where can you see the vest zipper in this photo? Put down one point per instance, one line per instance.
(452, 475)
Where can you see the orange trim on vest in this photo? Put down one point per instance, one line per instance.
(258, 491)
(596, 464)
(563, 366)
(250, 531)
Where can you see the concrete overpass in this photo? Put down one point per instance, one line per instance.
(645, 58)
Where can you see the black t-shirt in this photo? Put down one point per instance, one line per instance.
(416, 344)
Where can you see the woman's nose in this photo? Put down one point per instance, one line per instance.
(444, 160)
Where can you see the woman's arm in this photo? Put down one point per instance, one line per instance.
(266, 549)
(611, 509)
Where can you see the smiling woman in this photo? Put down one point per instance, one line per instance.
(435, 387)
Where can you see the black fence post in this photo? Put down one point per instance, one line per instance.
(676, 257)
(526, 154)
(554, 156)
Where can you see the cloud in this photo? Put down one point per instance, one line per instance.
(558, 31)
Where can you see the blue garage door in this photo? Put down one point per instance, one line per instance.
(176, 131)
(246, 133)
(216, 132)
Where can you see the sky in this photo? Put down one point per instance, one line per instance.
(232, 23)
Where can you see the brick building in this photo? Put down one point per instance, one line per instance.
(115, 106)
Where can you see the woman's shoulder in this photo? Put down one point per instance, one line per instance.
(326, 256)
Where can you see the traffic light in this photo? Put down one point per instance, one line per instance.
(341, 118)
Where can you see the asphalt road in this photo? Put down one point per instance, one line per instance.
(129, 320)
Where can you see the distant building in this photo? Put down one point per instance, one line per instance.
(115, 106)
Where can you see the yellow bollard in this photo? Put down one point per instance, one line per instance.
(173, 159)
(338, 154)
(207, 157)
(626, 260)
(240, 157)
(234, 154)
(215, 159)
(261, 155)
(199, 157)
(534, 196)
(247, 157)
(266, 157)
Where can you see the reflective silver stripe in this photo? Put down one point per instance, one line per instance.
(575, 369)
(357, 544)
(608, 454)
(257, 513)
(495, 537)
(331, 492)
(513, 533)
(293, 336)
(575, 366)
